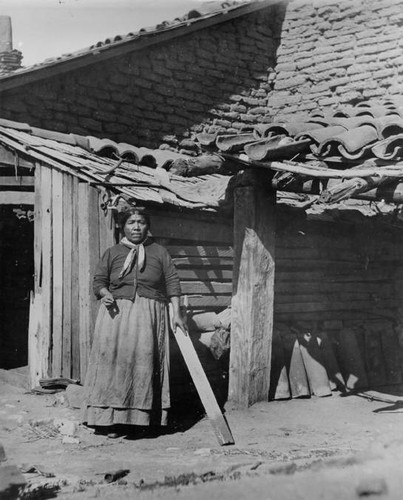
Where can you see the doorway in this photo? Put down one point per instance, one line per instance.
(16, 281)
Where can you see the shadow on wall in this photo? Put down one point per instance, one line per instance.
(214, 79)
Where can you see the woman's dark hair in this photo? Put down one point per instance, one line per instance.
(123, 216)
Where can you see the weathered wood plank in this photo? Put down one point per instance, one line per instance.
(75, 288)
(26, 180)
(391, 353)
(106, 228)
(217, 420)
(35, 311)
(339, 276)
(350, 360)
(67, 273)
(47, 267)
(252, 303)
(38, 230)
(335, 254)
(359, 305)
(297, 377)
(205, 274)
(334, 375)
(17, 197)
(373, 356)
(35, 339)
(314, 364)
(183, 228)
(279, 384)
(200, 251)
(84, 251)
(208, 301)
(10, 158)
(94, 253)
(57, 270)
(298, 287)
(357, 314)
(206, 287)
(203, 262)
(330, 265)
(328, 297)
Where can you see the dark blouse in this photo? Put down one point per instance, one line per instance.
(158, 280)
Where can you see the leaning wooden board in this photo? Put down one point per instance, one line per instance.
(217, 419)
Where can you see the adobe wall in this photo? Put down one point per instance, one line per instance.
(287, 59)
(337, 52)
(213, 78)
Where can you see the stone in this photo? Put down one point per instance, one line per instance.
(65, 427)
(74, 395)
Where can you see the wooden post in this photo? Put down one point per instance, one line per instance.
(94, 247)
(67, 273)
(75, 288)
(35, 311)
(57, 264)
(253, 291)
(47, 274)
(84, 276)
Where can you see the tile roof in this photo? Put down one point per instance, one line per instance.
(349, 155)
(349, 134)
(352, 150)
(84, 157)
(214, 11)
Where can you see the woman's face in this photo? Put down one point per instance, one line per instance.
(136, 229)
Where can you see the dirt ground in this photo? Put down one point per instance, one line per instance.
(339, 447)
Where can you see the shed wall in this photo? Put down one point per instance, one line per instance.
(338, 285)
(71, 231)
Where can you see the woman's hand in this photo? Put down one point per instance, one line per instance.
(107, 298)
(178, 322)
(177, 318)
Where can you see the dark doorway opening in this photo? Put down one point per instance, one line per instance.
(16, 281)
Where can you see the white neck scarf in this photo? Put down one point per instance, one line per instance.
(136, 250)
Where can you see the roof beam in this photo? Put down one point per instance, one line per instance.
(10, 158)
(17, 197)
(10, 180)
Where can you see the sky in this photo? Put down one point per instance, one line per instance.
(50, 28)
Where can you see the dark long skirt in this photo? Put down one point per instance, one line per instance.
(127, 380)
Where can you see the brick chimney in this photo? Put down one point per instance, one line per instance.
(10, 59)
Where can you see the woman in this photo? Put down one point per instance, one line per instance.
(127, 379)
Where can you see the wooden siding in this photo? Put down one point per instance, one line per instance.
(71, 231)
(201, 248)
(337, 293)
(337, 290)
